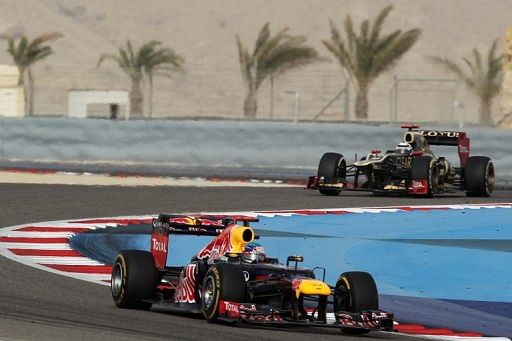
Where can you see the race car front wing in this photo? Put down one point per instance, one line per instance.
(375, 320)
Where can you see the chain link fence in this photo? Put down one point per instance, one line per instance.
(305, 95)
(308, 94)
(423, 100)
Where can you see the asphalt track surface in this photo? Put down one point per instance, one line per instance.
(37, 305)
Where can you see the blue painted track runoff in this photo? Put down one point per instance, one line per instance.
(443, 267)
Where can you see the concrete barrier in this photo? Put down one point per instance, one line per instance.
(278, 145)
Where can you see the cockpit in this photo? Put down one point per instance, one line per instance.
(418, 142)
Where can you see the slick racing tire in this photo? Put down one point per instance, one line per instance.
(332, 166)
(355, 291)
(424, 168)
(224, 282)
(134, 279)
(479, 176)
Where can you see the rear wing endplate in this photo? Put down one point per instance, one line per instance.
(200, 225)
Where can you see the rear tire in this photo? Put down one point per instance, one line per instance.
(360, 294)
(479, 176)
(134, 279)
(423, 168)
(332, 166)
(224, 282)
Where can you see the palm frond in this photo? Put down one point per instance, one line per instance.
(478, 60)
(485, 78)
(107, 56)
(40, 53)
(337, 47)
(25, 52)
(45, 38)
(452, 67)
(262, 39)
(396, 48)
(271, 43)
(288, 56)
(377, 25)
(349, 31)
(130, 56)
(369, 53)
(363, 35)
(272, 55)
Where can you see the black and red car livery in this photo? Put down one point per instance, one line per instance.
(223, 283)
(412, 170)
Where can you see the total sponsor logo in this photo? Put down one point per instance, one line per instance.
(231, 307)
(158, 246)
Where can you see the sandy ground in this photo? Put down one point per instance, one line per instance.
(85, 179)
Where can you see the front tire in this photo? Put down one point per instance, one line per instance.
(133, 279)
(424, 168)
(332, 167)
(479, 176)
(224, 282)
(355, 291)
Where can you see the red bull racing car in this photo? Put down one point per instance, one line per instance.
(411, 168)
(232, 279)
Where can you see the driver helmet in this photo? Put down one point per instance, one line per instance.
(403, 148)
(253, 253)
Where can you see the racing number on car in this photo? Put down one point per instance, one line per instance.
(405, 161)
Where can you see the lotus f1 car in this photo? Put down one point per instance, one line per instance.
(231, 279)
(411, 168)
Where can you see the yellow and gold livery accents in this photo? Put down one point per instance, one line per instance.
(239, 236)
(310, 287)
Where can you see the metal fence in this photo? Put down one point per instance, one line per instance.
(423, 99)
(308, 94)
(305, 94)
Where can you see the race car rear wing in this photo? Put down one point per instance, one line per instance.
(444, 138)
(449, 138)
(201, 225)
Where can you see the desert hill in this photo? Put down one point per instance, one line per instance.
(204, 33)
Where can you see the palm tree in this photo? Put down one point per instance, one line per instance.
(272, 56)
(368, 54)
(161, 62)
(483, 79)
(25, 53)
(149, 60)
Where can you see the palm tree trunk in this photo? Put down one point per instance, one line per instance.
(136, 98)
(21, 83)
(250, 104)
(362, 102)
(21, 76)
(30, 92)
(150, 108)
(485, 111)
